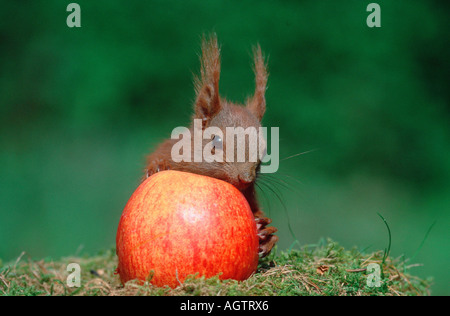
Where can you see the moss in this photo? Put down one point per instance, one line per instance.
(324, 269)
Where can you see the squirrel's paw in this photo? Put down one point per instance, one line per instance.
(266, 238)
(155, 166)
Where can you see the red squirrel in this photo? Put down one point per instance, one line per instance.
(214, 110)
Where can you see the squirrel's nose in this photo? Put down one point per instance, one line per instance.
(245, 179)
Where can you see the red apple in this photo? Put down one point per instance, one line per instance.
(178, 224)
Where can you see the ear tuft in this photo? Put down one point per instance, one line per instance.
(207, 103)
(257, 104)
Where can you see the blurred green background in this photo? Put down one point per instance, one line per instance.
(81, 107)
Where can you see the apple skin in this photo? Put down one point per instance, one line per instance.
(178, 224)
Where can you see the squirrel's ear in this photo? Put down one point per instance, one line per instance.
(257, 104)
(207, 104)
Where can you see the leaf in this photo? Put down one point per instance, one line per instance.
(322, 269)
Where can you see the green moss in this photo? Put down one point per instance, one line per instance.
(323, 269)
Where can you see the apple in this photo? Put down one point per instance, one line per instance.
(178, 224)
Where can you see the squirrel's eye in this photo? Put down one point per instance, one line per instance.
(217, 142)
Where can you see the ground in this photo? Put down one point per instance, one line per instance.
(322, 269)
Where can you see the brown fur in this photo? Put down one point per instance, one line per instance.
(216, 111)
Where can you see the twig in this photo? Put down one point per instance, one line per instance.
(356, 270)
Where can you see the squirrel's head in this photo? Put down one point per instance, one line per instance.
(219, 118)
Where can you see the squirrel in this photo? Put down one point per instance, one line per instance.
(214, 110)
